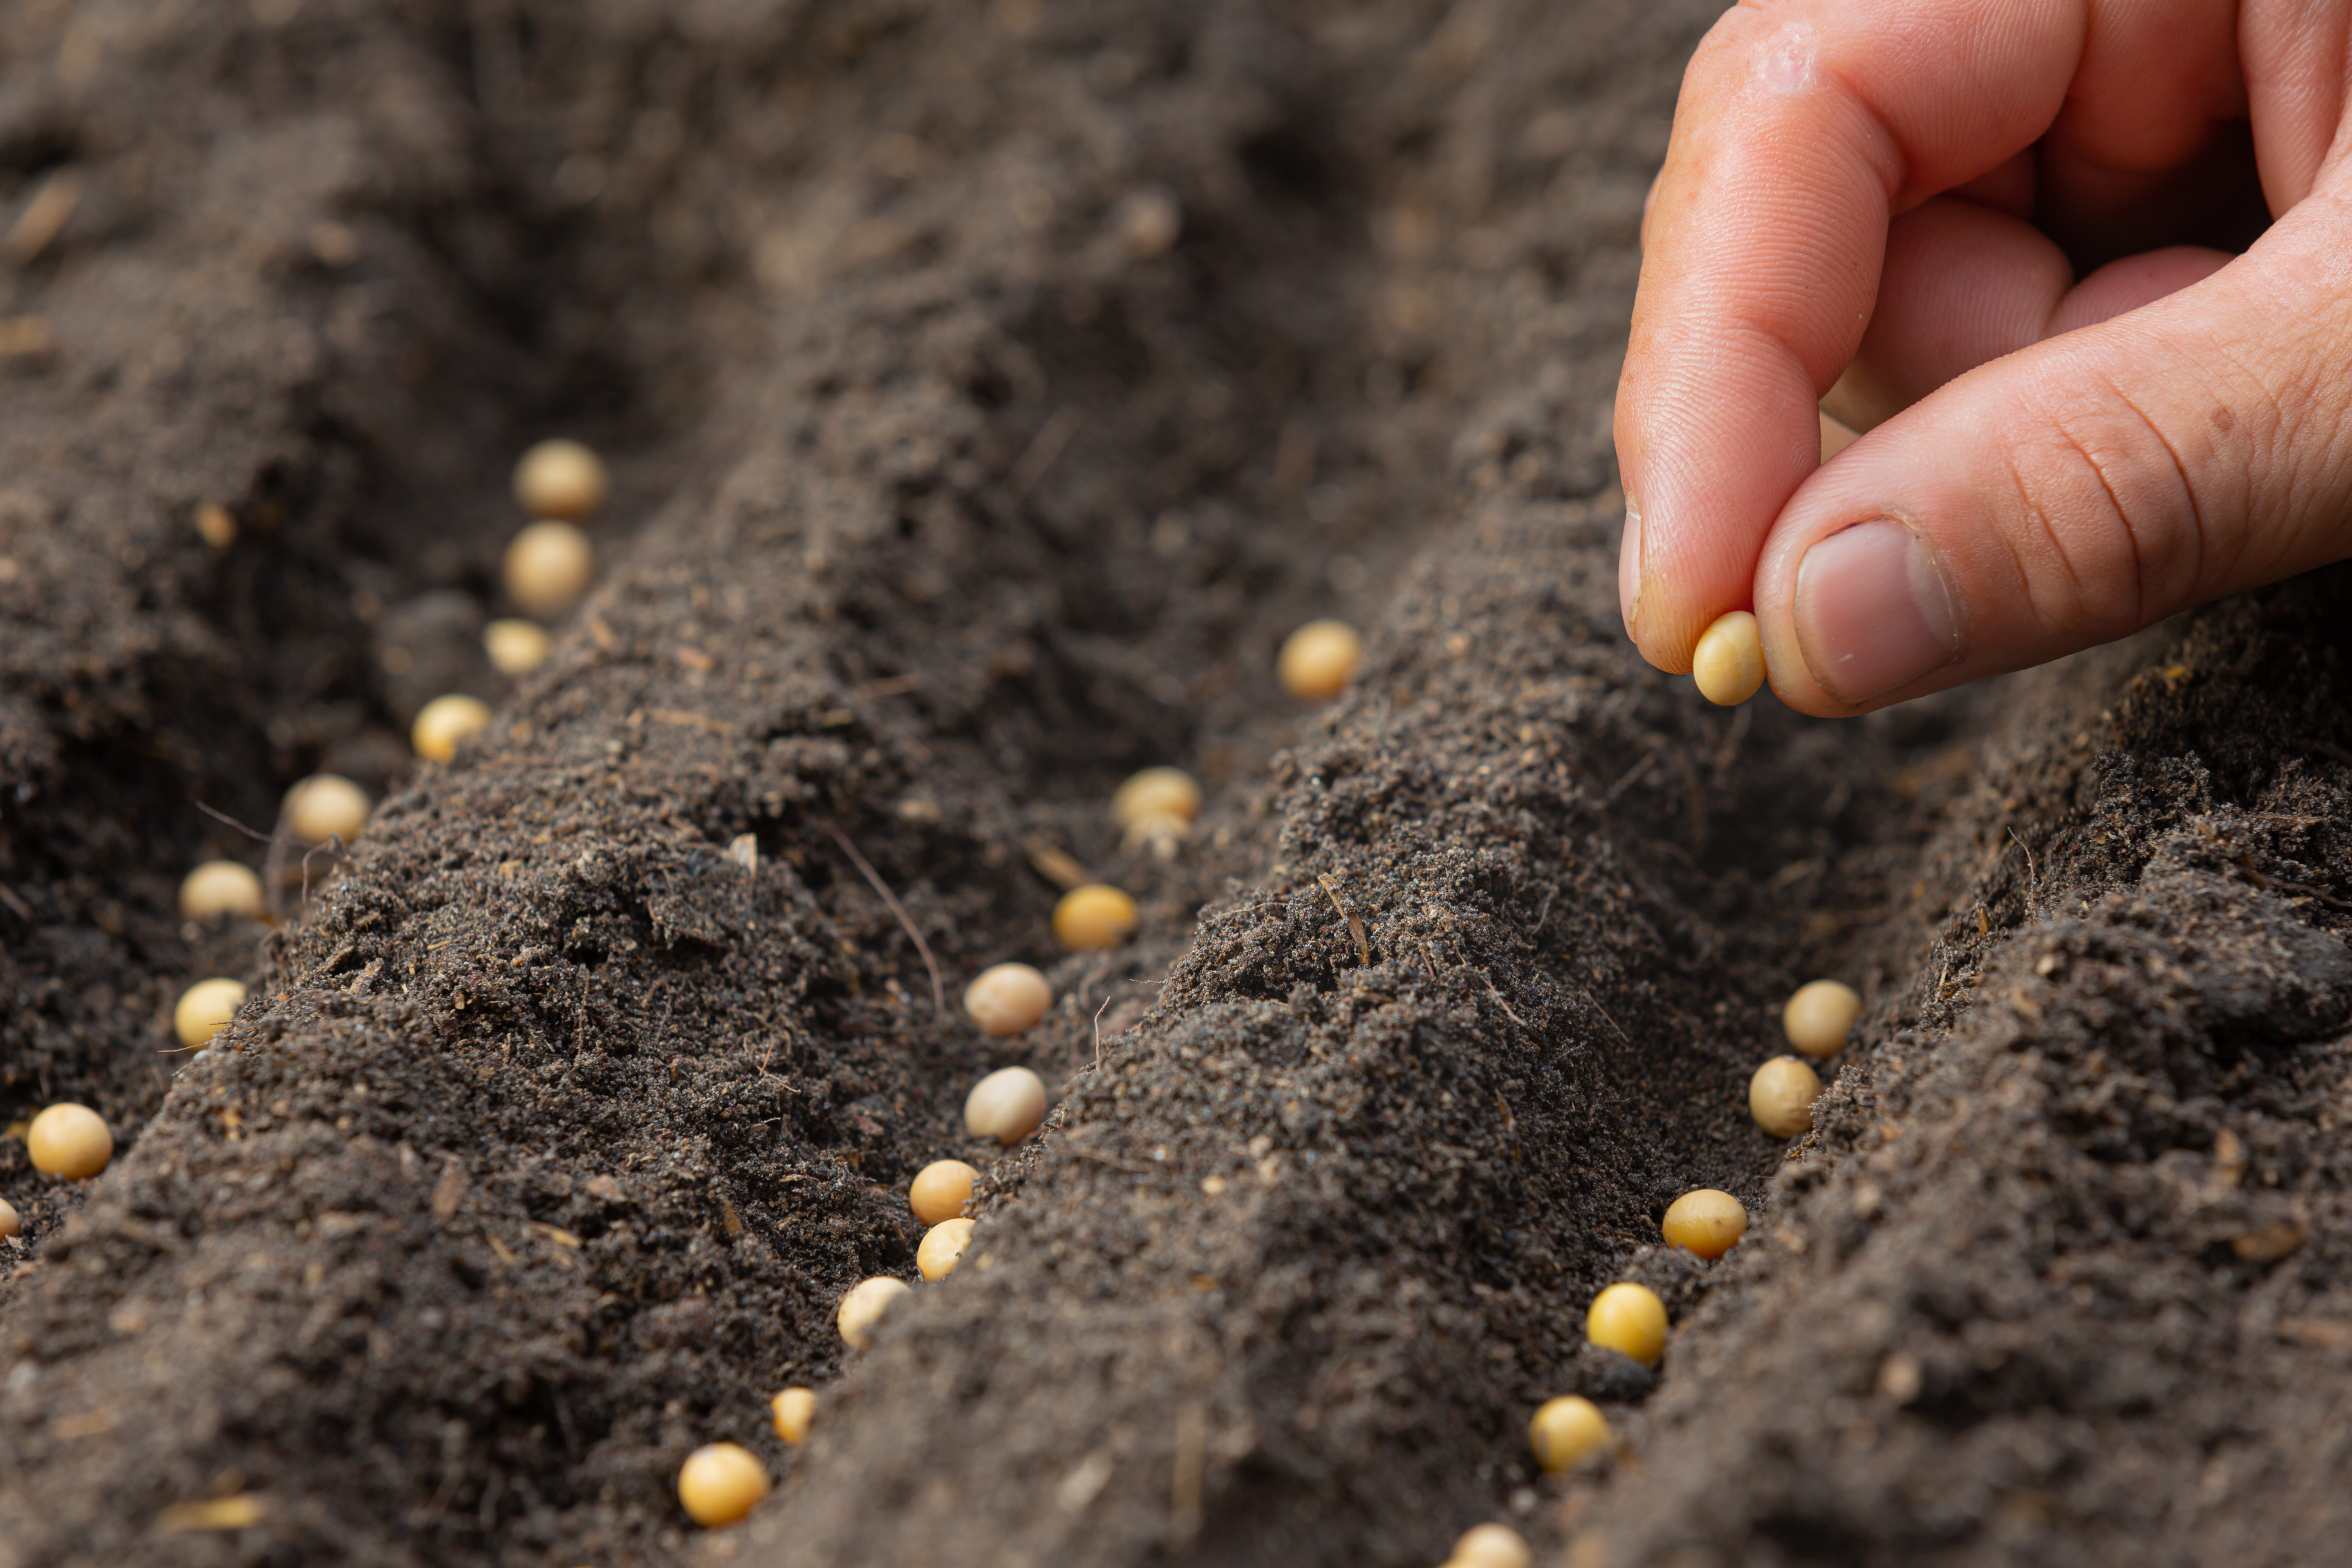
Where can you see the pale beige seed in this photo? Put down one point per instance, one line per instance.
(1094, 917)
(1629, 1319)
(516, 647)
(1161, 835)
(793, 1409)
(548, 566)
(326, 806)
(1819, 1015)
(943, 1246)
(1491, 1546)
(564, 480)
(10, 1225)
(863, 1307)
(1565, 1430)
(1156, 792)
(69, 1141)
(220, 888)
(1780, 1096)
(1728, 663)
(445, 721)
(1008, 998)
(206, 1009)
(941, 1189)
(1007, 1105)
(1706, 1222)
(1318, 659)
(720, 1483)
(215, 526)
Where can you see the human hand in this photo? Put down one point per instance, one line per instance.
(2053, 464)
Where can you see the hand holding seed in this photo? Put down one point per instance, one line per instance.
(2077, 271)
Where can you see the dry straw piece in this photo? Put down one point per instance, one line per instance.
(547, 567)
(444, 722)
(942, 1247)
(1094, 917)
(1565, 1430)
(941, 1189)
(1008, 998)
(69, 1141)
(864, 1306)
(1629, 1319)
(1318, 659)
(564, 480)
(1007, 1105)
(516, 647)
(1728, 663)
(325, 807)
(793, 1409)
(1818, 1016)
(1781, 1097)
(720, 1483)
(206, 1009)
(221, 887)
(1707, 1221)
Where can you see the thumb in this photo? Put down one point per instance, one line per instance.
(2079, 489)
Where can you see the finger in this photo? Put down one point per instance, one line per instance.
(2293, 54)
(2081, 488)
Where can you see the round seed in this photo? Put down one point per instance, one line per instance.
(863, 1307)
(1156, 792)
(1094, 917)
(9, 1224)
(1630, 1319)
(942, 1247)
(1318, 659)
(1007, 1105)
(563, 480)
(1706, 1222)
(69, 1141)
(1008, 998)
(941, 1189)
(1728, 663)
(444, 722)
(1819, 1015)
(1491, 1546)
(1781, 1097)
(220, 888)
(206, 1009)
(720, 1483)
(547, 567)
(516, 647)
(1565, 1429)
(326, 806)
(795, 1408)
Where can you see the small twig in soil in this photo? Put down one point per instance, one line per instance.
(1632, 777)
(1497, 995)
(1355, 926)
(2034, 874)
(1098, 1012)
(1596, 1007)
(233, 822)
(1044, 447)
(874, 880)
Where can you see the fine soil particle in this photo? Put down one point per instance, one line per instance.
(989, 390)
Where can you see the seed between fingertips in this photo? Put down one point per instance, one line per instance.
(1007, 1105)
(941, 1189)
(1094, 917)
(1629, 1319)
(1780, 1096)
(1819, 1015)
(1008, 998)
(561, 478)
(445, 721)
(516, 647)
(547, 567)
(1565, 1429)
(1318, 659)
(1728, 663)
(221, 887)
(69, 1141)
(863, 1307)
(206, 1009)
(720, 1483)
(1492, 1546)
(943, 1246)
(1706, 1222)
(793, 1409)
(326, 806)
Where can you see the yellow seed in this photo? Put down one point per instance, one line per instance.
(1818, 1017)
(516, 647)
(942, 1246)
(9, 1224)
(220, 888)
(547, 567)
(1780, 1096)
(1093, 916)
(563, 480)
(1008, 998)
(1630, 1319)
(1493, 1545)
(1318, 659)
(69, 1141)
(863, 1307)
(1728, 663)
(1706, 1222)
(795, 1408)
(1565, 1429)
(445, 721)
(1007, 1105)
(206, 1009)
(941, 1189)
(326, 806)
(215, 526)
(720, 1483)
(1156, 792)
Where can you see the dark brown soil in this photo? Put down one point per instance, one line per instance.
(988, 389)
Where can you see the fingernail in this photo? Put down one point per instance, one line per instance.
(1874, 611)
(1628, 563)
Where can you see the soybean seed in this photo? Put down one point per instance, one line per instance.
(1491, 1546)
(1156, 792)
(220, 888)
(206, 1009)
(516, 647)
(69, 1141)
(1008, 998)
(564, 480)
(720, 1483)
(1728, 662)
(793, 1409)
(1630, 1319)
(942, 1247)
(1706, 1222)
(1565, 1429)
(547, 567)
(1780, 1096)
(1819, 1015)
(863, 1307)
(1007, 1105)
(1318, 659)
(326, 806)
(444, 722)
(941, 1189)
(9, 1224)
(1094, 917)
